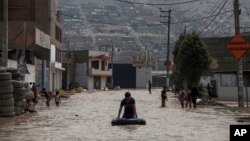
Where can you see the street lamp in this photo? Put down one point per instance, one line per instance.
(68, 56)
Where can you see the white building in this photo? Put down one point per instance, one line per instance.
(92, 69)
(56, 69)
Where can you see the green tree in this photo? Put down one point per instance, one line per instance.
(177, 76)
(192, 59)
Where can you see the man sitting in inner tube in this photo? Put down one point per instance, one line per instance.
(129, 107)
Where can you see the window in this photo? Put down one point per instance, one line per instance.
(58, 55)
(58, 34)
(228, 80)
(103, 65)
(109, 66)
(95, 64)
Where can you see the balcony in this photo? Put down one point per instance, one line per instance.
(57, 66)
(96, 72)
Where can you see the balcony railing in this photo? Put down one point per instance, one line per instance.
(97, 72)
(57, 65)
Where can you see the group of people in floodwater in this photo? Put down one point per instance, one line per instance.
(48, 95)
(187, 98)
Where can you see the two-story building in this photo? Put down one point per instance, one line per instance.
(90, 69)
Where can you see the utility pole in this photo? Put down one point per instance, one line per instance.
(68, 59)
(239, 62)
(246, 89)
(4, 61)
(24, 44)
(112, 64)
(185, 30)
(146, 65)
(168, 22)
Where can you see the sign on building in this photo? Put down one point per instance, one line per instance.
(143, 61)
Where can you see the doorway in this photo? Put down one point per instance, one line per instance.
(97, 82)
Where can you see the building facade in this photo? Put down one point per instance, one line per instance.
(33, 28)
(223, 76)
(90, 69)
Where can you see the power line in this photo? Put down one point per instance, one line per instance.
(117, 24)
(110, 23)
(215, 8)
(158, 4)
(219, 12)
(224, 20)
(202, 18)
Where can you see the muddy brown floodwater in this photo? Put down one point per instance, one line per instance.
(87, 117)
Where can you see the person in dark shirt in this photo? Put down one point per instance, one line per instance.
(129, 107)
(164, 97)
(149, 86)
(209, 90)
(194, 94)
(48, 96)
(188, 97)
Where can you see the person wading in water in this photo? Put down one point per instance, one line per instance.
(164, 96)
(149, 86)
(129, 107)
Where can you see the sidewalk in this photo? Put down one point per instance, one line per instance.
(232, 103)
(233, 107)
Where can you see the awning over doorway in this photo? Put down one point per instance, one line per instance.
(100, 57)
(41, 52)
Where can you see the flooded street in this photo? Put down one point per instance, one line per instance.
(87, 117)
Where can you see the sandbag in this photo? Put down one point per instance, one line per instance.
(11, 114)
(7, 89)
(18, 84)
(7, 102)
(5, 76)
(6, 96)
(5, 83)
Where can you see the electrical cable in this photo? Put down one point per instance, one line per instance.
(157, 4)
(117, 24)
(214, 17)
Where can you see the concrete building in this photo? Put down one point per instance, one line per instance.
(223, 69)
(90, 69)
(143, 75)
(56, 68)
(128, 76)
(36, 21)
(143, 64)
